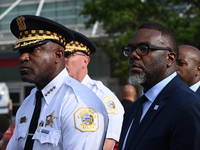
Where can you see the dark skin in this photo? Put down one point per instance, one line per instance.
(41, 64)
(157, 64)
(189, 64)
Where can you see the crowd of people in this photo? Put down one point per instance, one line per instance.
(68, 110)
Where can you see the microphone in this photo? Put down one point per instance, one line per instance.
(4, 125)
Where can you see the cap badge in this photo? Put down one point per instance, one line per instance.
(21, 23)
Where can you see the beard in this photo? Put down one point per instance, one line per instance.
(135, 79)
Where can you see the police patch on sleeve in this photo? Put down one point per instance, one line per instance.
(86, 119)
(109, 102)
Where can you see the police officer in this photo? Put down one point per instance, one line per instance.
(77, 58)
(72, 117)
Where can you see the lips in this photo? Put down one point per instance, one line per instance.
(135, 67)
(24, 69)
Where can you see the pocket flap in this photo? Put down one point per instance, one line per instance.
(51, 136)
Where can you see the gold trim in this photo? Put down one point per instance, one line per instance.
(75, 45)
(34, 36)
(38, 37)
(26, 43)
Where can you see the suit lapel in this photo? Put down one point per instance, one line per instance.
(127, 121)
(130, 136)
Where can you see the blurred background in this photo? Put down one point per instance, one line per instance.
(109, 23)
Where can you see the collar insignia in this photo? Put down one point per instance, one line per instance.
(54, 87)
(23, 119)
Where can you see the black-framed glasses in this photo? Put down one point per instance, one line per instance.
(141, 49)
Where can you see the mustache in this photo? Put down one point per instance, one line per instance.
(134, 64)
(24, 66)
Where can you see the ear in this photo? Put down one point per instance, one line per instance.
(171, 58)
(86, 61)
(197, 70)
(59, 55)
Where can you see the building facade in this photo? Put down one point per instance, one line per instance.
(65, 12)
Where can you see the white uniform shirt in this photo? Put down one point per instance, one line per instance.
(113, 105)
(77, 118)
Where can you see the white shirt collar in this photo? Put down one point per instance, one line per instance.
(195, 86)
(86, 79)
(152, 93)
(51, 89)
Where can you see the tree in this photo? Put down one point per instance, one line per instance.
(120, 19)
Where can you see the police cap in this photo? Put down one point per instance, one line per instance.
(81, 43)
(35, 30)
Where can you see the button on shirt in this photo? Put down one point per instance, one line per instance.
(113, 105)
(72, 118)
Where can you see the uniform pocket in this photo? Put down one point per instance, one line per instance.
(21, 132)
(50, 136)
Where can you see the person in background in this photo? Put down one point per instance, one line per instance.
(166, 116)
(128, 96)
(60, 113)
(189, 66)
(77, 58)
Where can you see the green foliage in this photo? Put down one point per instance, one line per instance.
(120, 19)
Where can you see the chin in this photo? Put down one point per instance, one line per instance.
(137, 78)
(26, 78)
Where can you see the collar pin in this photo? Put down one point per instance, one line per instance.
(50, 90)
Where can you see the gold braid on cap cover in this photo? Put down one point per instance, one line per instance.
(34, 36)
(75, 45)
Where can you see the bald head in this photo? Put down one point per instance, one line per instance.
(129, 92)
(189, 64)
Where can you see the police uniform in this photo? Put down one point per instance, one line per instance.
(72, 117)
(112, 104)
(114, 108)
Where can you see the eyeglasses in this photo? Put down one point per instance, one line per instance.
(141, 49)
(74, 53)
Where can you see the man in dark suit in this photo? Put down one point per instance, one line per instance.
(189, 66)
(128, 96)
(171, 113)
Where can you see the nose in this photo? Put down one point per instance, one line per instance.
(134, 55)
(24, 57)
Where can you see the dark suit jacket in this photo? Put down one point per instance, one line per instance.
(126, 103)
(175, 125)
(198, 90)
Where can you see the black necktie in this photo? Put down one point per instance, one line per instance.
(137, 118)
(34, 121)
